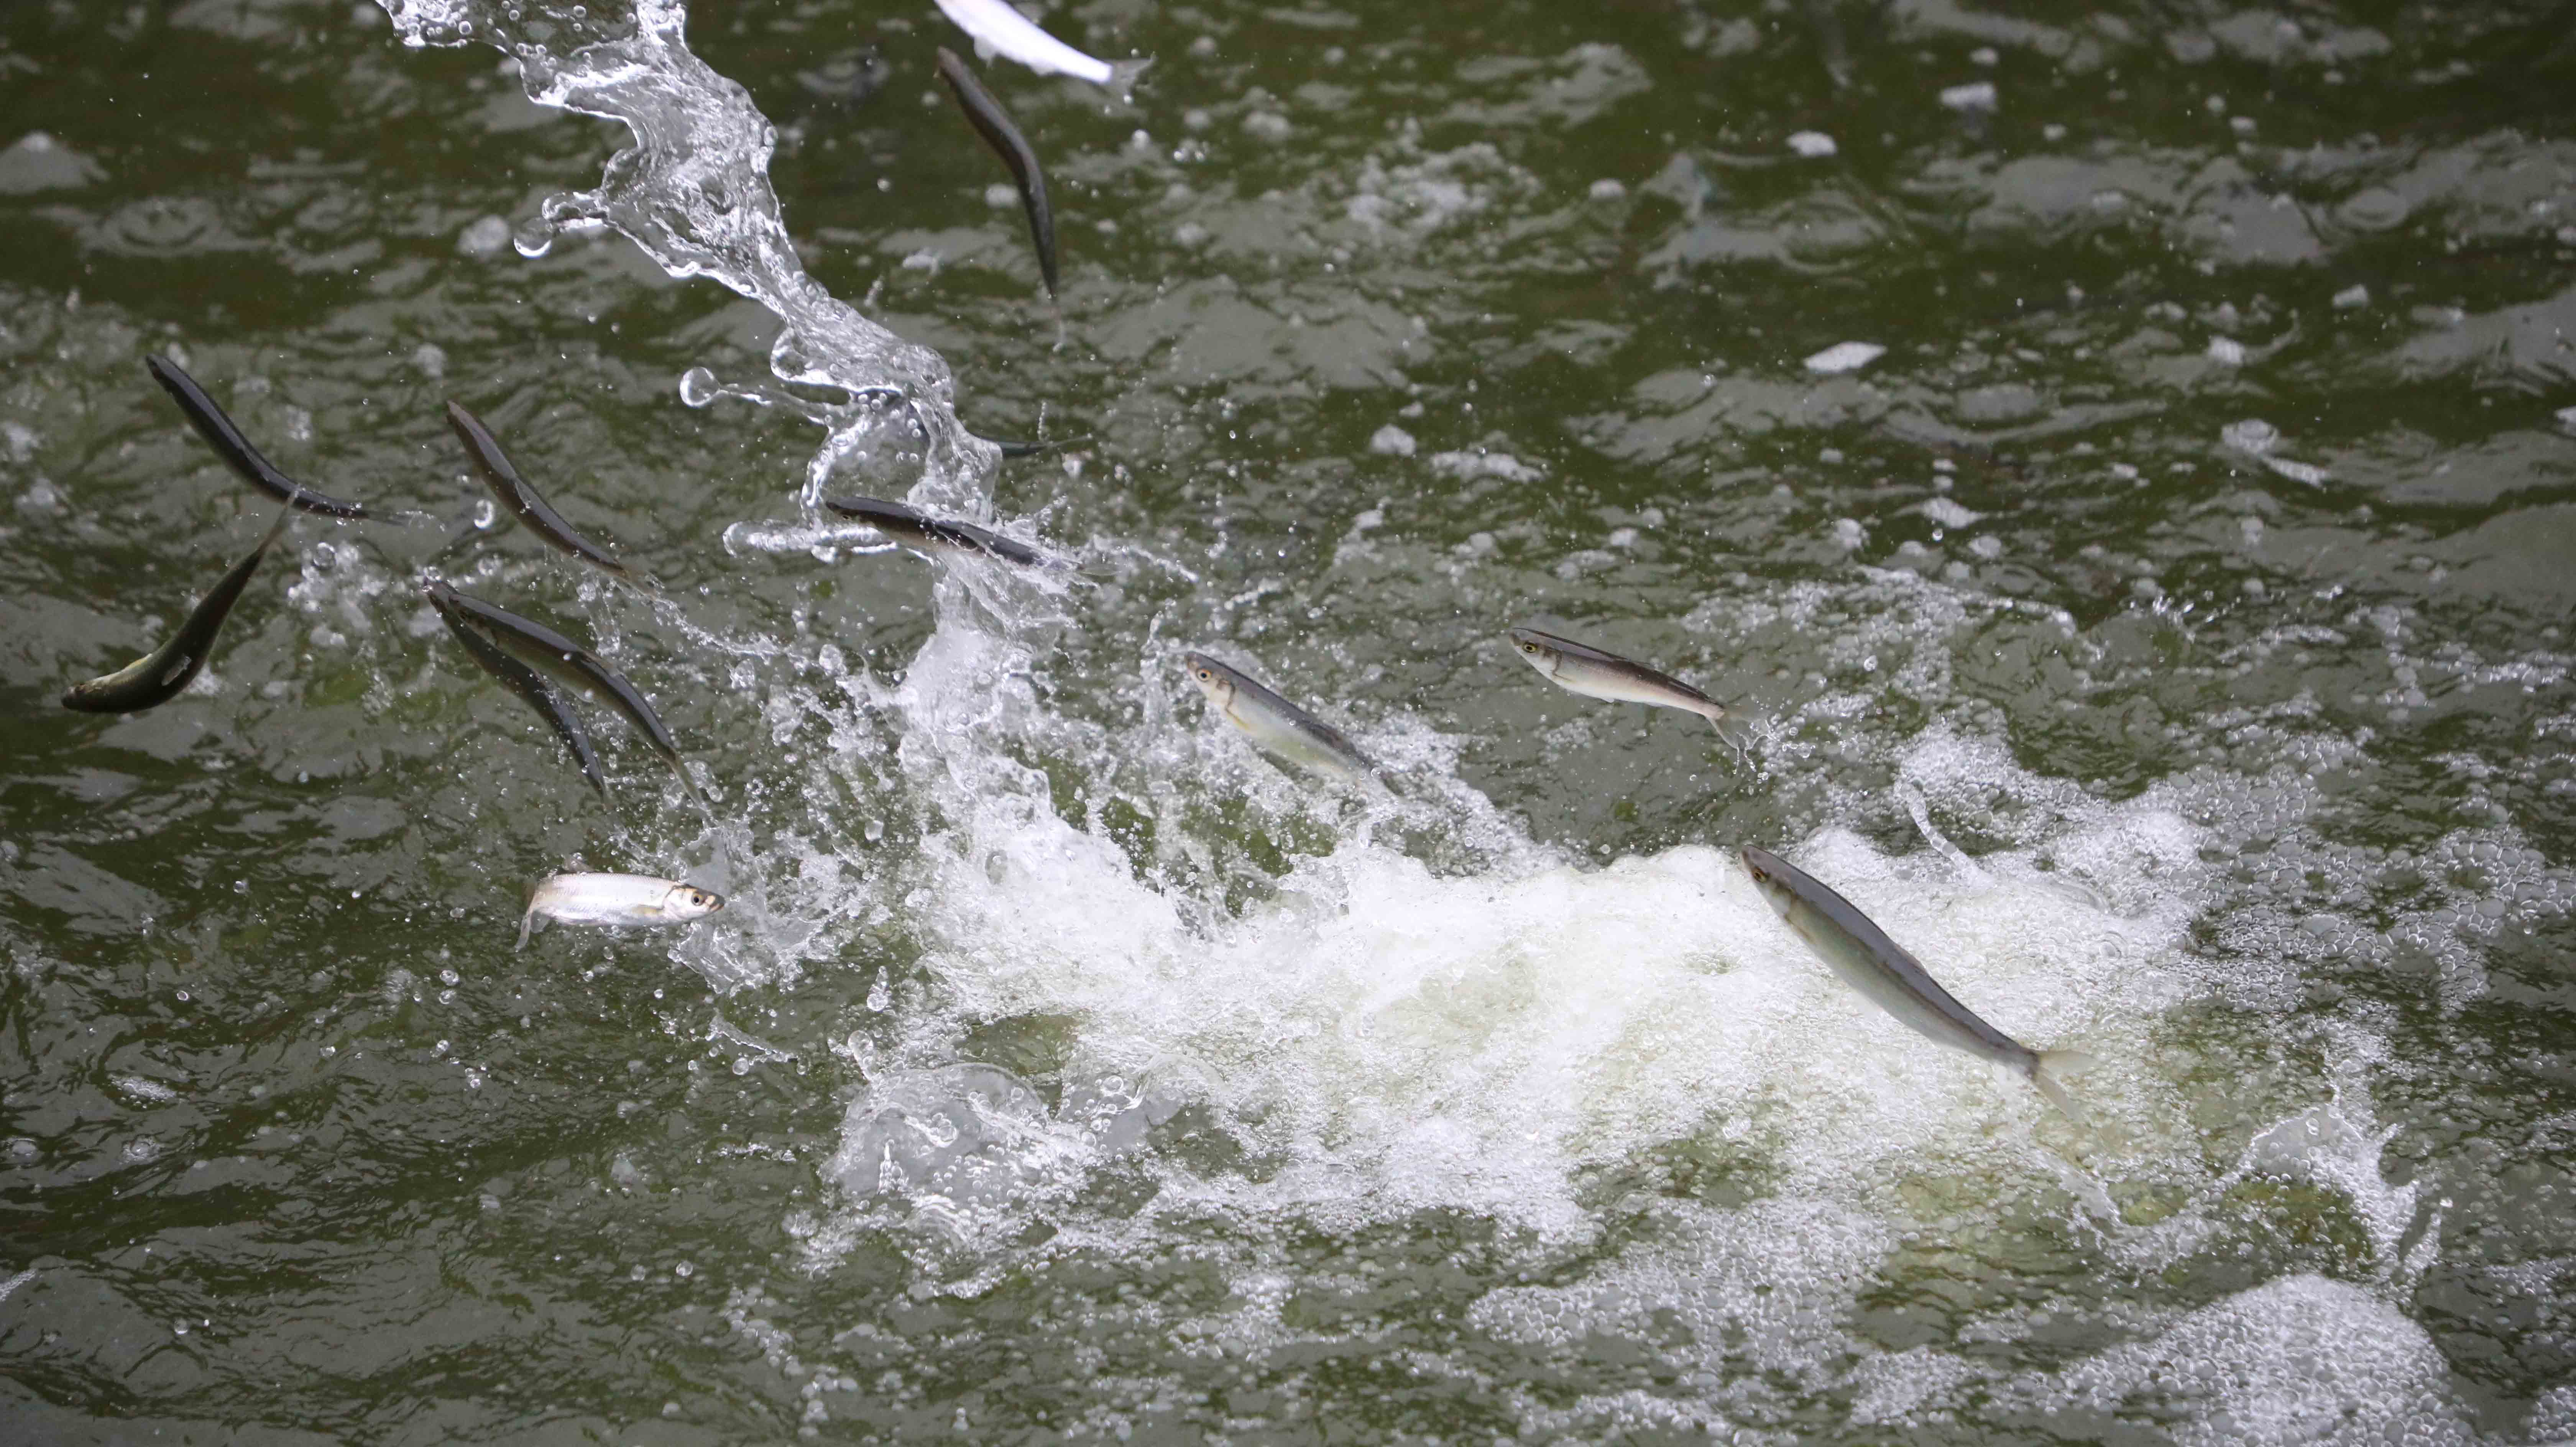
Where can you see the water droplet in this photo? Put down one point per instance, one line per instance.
(697, 387)
(536, 237)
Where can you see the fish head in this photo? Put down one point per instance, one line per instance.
(1770, 878)
(1536, 650)
(688, 902)
(1213, 678)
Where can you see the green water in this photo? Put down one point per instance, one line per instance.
(2197, 560)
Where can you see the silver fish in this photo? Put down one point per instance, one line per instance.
(1584, 669)
(1868, 961)
(620, 901)
(1281, 728)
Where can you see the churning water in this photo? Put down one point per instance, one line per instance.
(2155, 621)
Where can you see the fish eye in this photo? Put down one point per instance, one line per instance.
(1207, 675)
(1528, 647)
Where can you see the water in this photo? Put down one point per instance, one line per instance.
(2162, 633)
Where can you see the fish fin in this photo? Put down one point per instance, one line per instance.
(2044, 1072)
(1123, 73)
(527, 923)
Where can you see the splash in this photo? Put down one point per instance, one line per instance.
(693, 191)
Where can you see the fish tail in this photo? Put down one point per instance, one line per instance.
(1717, 719)
(1123, 73)
(277, 529)
(2050, 1064)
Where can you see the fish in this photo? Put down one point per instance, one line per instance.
(995, 126)
(1584, 669)
(158, 676)
(1862, 955)
(1279, 727)
(620, 901)
(235, 449)
(918, 529)
(566, 662)
(1011, 448)
(521, 499)
(532, 689)
(1006, 32)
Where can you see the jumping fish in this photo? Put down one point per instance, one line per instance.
(531, 689)
(1584, 669)
(995, 126)
(1867, 960)
(521, 499)
(1281, 728)
(158, 676)
(235, 449)
(1005, 31)
(568, 663)
(1012, 448)
(919, 529)
(620, 901)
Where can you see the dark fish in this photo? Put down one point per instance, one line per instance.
(1034, 449)
(523, 681)
(156, 678)
(568, 663)
(994, 125)
(913, 526)
(235, 449)
(1858, 951)
(521, 499)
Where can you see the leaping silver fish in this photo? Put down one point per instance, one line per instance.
(1281, 728)
(1867, 960)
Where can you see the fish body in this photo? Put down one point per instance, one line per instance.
(235, 449)
(915, 528)
(568, 663)
(994, 124)
(522, 500)
(619, 901)
(158, 676)
(1863, 957)
(1584, 669)
(1281, 728)
(1008, 33)
(531, 689)
(1011, 448)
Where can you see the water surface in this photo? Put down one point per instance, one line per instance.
(2163, 633)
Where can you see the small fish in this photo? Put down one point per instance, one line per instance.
(568, 663)
(1581, 668)
(531, 689)
(994, 124)
(620, 901)
(235, 449)
(1868, 961)
(1278, 726)
(158, 676)
(848, 80)
(1011, 448)
(1005, 31)
(521, 499)
(919, 529)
